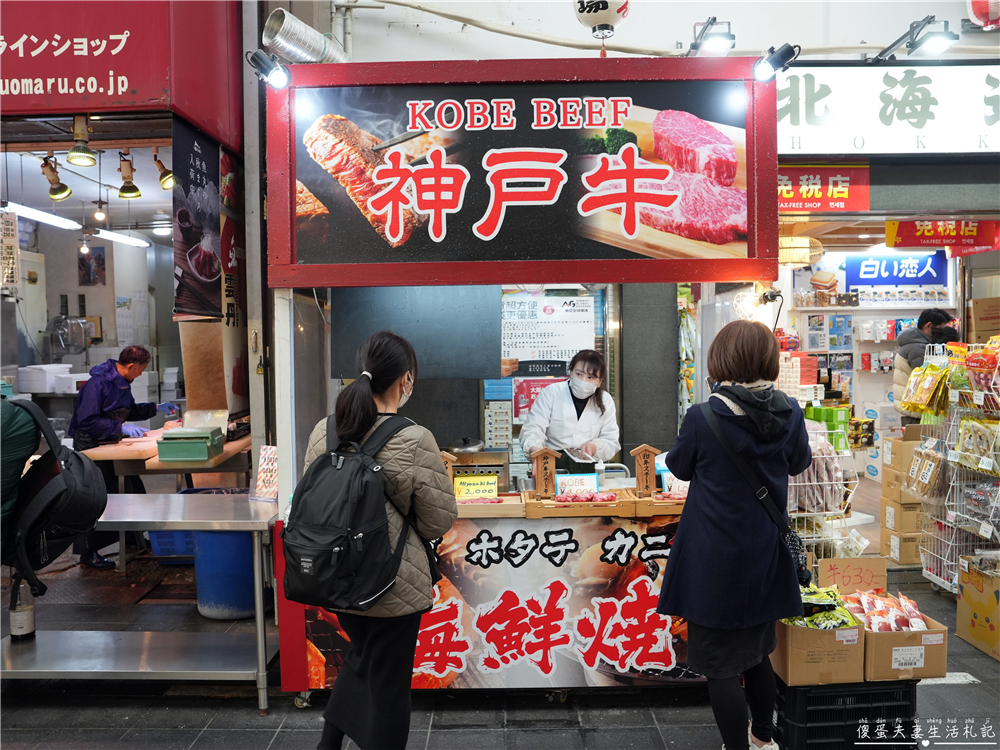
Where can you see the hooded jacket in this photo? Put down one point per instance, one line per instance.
(103, 405)
(414, 476)
(909, 355)
(728, 566)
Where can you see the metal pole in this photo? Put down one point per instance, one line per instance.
(261, 630)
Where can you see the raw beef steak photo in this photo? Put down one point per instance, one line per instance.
(706, 210)
(690, 144)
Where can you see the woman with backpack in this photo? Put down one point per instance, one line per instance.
(731, 574)
(370, 701)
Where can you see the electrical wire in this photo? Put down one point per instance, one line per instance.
(321, 314)
(781, 301)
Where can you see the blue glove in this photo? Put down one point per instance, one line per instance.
(133, 430)
(167, 407)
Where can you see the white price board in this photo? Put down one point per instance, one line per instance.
(10, 263)
(543, 332)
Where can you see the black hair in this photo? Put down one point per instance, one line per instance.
(134, 355)
(944, 335)
(385, 356)
(935, 316)
(594, 364)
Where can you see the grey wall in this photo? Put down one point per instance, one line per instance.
(448, 408)
(649, 367)
(959, 187)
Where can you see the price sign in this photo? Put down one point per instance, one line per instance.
(986, 530)
(470, 488)
(986, 464)
(963, 564)
(953, 396)
(817, 404)
(853, 574)
(978, 398)
(953, 456)
(951, 516)
(576, 484)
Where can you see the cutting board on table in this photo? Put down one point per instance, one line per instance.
(605, 226)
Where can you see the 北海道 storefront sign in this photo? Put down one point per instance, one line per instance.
(889, 109)
(823, 189)
(397, 176)
(552, 603)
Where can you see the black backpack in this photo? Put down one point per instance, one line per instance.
(60, 498)
(338, 553)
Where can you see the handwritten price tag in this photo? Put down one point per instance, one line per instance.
(470, 488)
(978, 398)
(986, 530)
(986, 464)
(951, 516)
(817, 404)
(953, 396)
(852, 575)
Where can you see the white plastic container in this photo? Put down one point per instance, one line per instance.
(71, 383)
(40, 378)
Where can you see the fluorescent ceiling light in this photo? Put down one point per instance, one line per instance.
(46, 218)
(864, 236)
(163, 231)
(123, 238)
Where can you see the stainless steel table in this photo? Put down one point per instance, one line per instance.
(162, 656)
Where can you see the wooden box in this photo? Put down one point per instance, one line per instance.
(623, 507)
(511, 507)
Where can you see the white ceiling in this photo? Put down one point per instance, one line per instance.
(35, 192)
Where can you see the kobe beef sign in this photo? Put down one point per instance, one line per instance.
(632, 170)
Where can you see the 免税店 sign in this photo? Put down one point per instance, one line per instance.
(893, 269)
(889, 108)
(528, 172)
(824, 189)
(940, 233)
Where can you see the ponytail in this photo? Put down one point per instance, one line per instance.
(381, 360)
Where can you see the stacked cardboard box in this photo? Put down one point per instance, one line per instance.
(498, 423)
(979, 606)
(902, 514)
(982, 320)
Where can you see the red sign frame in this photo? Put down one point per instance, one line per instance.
(761, 155)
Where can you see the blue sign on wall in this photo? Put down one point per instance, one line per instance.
(897, 269)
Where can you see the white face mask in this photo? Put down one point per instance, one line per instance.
(581, 388)
(406, 396)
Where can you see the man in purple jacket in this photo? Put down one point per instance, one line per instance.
(102, 407)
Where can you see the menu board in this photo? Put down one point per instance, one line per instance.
(540, 334)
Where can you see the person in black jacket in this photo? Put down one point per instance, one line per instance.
(730, 574)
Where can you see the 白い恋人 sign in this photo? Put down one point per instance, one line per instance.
(917, 268)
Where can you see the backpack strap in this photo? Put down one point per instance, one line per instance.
(384, 432)
(36, 506)
(44, 425)
(331, 433)
(758, 487)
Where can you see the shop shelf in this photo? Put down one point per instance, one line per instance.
(830, 716)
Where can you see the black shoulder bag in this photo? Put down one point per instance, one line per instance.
(791, 539)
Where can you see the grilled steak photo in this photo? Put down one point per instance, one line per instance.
(690, 144)
(345, 151)
(312, 219)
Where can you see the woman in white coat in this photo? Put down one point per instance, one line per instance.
(577, 413)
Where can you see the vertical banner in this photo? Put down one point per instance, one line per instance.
(197, 225)
(234, 287)
(10, 264)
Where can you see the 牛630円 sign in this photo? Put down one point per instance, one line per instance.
(648, 168)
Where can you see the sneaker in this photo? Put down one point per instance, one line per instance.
(772, 745)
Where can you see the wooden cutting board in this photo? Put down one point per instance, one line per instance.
(605, 226)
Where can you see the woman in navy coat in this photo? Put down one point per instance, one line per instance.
(729, 573)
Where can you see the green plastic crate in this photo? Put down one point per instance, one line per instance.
(186, 444)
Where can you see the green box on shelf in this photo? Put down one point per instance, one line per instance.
(841, 414)
(190, 444)
(838, 440)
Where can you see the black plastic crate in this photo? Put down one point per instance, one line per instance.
(830, 717)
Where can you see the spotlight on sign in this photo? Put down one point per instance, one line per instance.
(81, 155)
(712, 39)
(129, 190)
(767, 67)
(57, 190)
(268, 69)
(921, 40)
(166, 176)
(601, 16)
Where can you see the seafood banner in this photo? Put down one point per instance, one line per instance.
(548, 603)
(197, 224)
(536, 171)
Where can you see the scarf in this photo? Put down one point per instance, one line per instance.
(768, 408)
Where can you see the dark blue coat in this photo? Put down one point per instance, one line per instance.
(728, 567)
(103, 405)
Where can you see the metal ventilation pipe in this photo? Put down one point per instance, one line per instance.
(297, 42)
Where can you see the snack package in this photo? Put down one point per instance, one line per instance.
(868, 331)
(958, 375)
(878, 621)
(832, 619)
(881, 330)
(891, 330)
(976, 441)
(982, 369)
(852, 602)
(916, 377)
(916, 620)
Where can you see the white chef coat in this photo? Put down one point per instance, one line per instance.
(552, 422)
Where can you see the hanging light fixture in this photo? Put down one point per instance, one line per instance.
(81, 155)
(57, 190)
(768, 66)
(601, 17)
(128, 190)
(269, 69)
(799, 252)
(166, 176)
(919, 41)
(99, 214)
(84, 247)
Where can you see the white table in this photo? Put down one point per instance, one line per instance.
(161, 655)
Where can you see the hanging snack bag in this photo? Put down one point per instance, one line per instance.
(912, 385)
(982, 368)
(910, 608)
(958, 375)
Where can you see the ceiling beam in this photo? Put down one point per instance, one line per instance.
(116, 145)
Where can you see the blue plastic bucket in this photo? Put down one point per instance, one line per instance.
(223, 567)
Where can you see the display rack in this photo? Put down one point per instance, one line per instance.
(820, 499)
(966, 517)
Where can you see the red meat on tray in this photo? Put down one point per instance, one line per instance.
(690, 144)
(480, 500)
(587, 497)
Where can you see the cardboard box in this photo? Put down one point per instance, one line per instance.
(884, 413)
(907, 655)
(903, 518)
(978, 607)
(892, 453)
(873, 468)
(892, 484)
(900, 547)
(805, 656)
(984, 313)
(852, 574)
(981, 337)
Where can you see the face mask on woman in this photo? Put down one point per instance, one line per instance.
(406, 396)
(581, 388)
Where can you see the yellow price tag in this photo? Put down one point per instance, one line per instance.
(468, 488)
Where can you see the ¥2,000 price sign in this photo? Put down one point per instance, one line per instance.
(470, 488)
(853, 574)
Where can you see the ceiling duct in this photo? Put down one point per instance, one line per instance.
(798, 252)
(297, 42)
